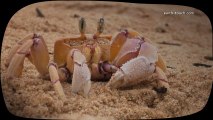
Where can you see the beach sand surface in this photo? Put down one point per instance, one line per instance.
(190, 86)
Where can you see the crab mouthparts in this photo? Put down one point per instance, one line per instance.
(94, 37)
(91, 42)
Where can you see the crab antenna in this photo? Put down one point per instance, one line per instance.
(100, 27)
(82, 26)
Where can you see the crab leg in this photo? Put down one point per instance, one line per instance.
(117, 42)
(162, 82)
(161, 63)
(126, 45)
(55, 80)
(35, 49)
(40, 55)
(16, 64)
(76, 63)
(15, 48)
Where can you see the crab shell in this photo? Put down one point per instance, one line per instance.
(62, 48)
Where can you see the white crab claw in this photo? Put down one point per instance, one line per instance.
(81, 79)
(132, 72)
(81, 74)
(116, 80)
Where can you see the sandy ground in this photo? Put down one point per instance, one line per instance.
(30, 96)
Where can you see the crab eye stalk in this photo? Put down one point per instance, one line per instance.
(100, 27)
(82, 26)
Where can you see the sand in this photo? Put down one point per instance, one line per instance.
(190, 86)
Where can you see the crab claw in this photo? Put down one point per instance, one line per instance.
(81, 74)
(132, 72)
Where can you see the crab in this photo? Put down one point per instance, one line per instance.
(125, 59)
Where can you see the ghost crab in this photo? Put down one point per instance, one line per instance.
(125, 58)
